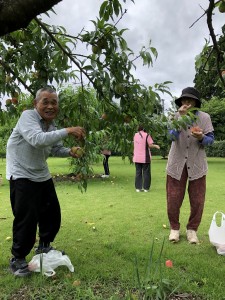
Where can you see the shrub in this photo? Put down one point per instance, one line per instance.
(216, 150)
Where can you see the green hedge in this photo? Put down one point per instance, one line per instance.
(216, 150)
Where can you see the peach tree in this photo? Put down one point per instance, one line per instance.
(40, 55)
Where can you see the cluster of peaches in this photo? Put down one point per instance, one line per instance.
(13, 100)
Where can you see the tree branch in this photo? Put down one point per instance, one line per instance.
(10, 70)
(17, 14)
(69, 54)
(212, 34)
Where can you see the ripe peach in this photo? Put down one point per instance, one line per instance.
(14, 101)
(104, 116)
(195, 129)
(127, 119)
(78, 151)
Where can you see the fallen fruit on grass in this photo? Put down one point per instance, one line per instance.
(164, 226)
(78, 151)
(76, 283)
(169, 263)
(8, 238)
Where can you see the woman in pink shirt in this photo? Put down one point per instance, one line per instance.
(142, 159)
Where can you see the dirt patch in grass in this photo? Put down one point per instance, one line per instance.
(184, 296)
(72, 177)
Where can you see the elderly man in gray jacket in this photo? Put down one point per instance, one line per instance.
(32, 193)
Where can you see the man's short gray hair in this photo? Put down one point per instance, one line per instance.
(45, 89)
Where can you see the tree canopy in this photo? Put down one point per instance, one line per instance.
(216, 108)
(35, 54)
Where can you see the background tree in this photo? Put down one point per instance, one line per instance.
(216, 108)
(206, 77)
(39, 55)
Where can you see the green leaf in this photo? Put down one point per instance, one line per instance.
(103, 8)
(116, 6)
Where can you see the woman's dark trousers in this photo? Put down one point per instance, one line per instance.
(143, 176)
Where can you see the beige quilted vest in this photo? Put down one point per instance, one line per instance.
(188, 150)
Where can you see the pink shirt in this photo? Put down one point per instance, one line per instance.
(142, 153)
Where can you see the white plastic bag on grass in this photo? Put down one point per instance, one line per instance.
(220, 249)
(217, 229)
(217, 232)
(50, 261)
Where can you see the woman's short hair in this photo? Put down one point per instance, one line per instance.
(141, 127)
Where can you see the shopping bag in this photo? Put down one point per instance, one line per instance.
(220, 249)
(217, 231)
(48, 262)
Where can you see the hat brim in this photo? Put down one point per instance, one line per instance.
(178, 100)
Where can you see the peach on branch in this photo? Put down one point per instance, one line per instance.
(127, 119)
(8, 78)
(104, 116)
(8, 102)
(14, 101)
(95, 49)
(15, 95)
(119, 88)
(222, 6)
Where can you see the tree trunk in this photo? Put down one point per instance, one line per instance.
(17, 14)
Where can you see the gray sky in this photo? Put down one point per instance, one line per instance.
(166, 22)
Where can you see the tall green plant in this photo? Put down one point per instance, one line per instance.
(152, 286)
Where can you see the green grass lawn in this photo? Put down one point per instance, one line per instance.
(125, 224)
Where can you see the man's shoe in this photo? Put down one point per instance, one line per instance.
(192, 236)
(138, 191)
(41, 249)
(146, 191)
(19, 267)
(174, 235)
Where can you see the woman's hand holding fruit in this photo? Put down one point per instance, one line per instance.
(197, 133)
